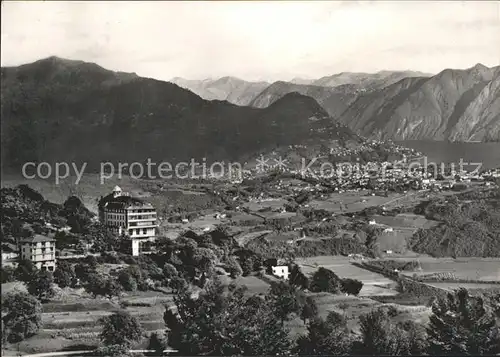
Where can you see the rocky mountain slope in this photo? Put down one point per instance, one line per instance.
(452, 105)
(367, 81)
(335, 100)
(234, 90)
(57, 110)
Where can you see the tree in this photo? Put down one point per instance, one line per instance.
(83, 271)
(325, 280)
(102, 238)
(351, 286)
(169, 271)
(120, 329)
(225, 323)
(97, 285)
(157, 343)
(64, 275)
(381, 337)
(233, 267)
(21, 316)
(127, 281)
(114, 351)
(416, 337)
(41, 285)
(297, 278)
(462, 324)
(91, 261)
(309, 310)
(111, 288)
(178, 284)
(325, 337)
(285, 299)
(25, 270)
(8, 274)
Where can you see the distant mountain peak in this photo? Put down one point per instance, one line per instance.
(480, 66)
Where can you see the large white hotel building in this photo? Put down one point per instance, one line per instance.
(131, 216)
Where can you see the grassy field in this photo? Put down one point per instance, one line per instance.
(482, 269)
(254, 284)
(246, 237)
(405, 220)
(469, 286)
(349, 306)
(351, 202)
(373, 283)
(262, 204)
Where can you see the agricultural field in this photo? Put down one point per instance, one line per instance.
(351, 201)
(373, 283)
(71, 317)
(246, 237)
(449, 285)
(349, 306)
(405, 220)
(482, 269)
(273, 204)
(254, 284)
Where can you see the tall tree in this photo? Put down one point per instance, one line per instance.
(220, 322)
(157, 343)
(462, 325)
(42, 285)
(25, 270)
(297, 278)
(380, 336)
(64, 275)
(309, 310)
(285, 299)
(325, 337)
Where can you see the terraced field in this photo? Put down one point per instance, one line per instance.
(373, 283)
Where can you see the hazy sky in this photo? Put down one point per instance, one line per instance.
(254, 40)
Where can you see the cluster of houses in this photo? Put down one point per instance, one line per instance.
(130, 217)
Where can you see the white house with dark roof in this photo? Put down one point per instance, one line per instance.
(128, 215)
(41, 250)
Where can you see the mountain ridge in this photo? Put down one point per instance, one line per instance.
(102, 117)
(427, 108)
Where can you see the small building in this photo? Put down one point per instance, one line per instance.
(9, 255)
(41, 250)
(281, 271)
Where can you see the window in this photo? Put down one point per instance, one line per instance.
(144, 231)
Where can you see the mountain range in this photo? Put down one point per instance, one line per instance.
(455, 104)
(64, 110)
(57, 110)
(234, 90)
